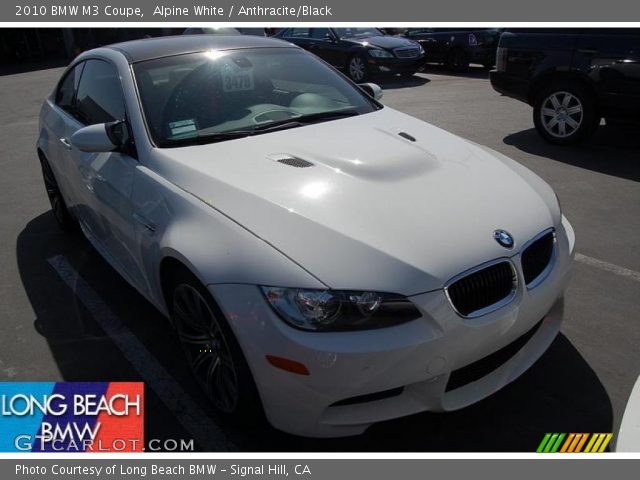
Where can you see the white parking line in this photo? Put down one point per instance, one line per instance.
(204, 431)
(608, 267)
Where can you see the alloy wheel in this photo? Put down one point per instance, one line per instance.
(357, 69)
(561, 114)
(206, 348)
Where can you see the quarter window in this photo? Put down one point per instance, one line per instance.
(99, 98)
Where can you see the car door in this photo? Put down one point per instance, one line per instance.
(104, 181)
(611, 58)
(56, 122)
(298, 36)
(327, 46)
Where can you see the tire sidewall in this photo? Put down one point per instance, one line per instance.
(65, 220)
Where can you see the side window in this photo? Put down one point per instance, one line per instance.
(320, 33)
(99, 98)
(65, 95)
(299, 33)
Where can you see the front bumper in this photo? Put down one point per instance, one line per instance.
(395, 65)
(348, 370)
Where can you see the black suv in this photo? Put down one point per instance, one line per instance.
(572, 78)
(457, 47)
(360, 52)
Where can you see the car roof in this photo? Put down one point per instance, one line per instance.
(151, 48)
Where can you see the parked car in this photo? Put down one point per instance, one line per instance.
(572, 78)
(321, 256)
(360, 52)
(457, 47)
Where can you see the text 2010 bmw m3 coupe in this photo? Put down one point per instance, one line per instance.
(324, 258)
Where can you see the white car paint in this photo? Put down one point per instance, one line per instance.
(376, 212)
(628, 439)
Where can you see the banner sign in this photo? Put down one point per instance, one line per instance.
(72, 417)
(234, 11)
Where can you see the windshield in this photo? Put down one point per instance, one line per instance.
(358, 32)
(214, 96)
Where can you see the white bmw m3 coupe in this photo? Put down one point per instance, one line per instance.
(323, 258)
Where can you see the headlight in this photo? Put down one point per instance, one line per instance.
(421, 49)
(339, 310)
(379, 53)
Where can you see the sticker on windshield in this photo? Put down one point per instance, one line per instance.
(237, 78)
(183, 126)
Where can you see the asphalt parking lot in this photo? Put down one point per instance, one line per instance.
(66, 315)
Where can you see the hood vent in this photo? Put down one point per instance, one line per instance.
(407, 136)
(290, 160)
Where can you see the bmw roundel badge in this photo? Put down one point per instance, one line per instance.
(504, 238)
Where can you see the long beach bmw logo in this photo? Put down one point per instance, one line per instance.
(504, 238)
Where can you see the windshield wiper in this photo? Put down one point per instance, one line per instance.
(267, 127)
(303, 120)
(205, 138)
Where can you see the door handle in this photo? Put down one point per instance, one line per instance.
(148, 224)
(66, 143)
(588, 51)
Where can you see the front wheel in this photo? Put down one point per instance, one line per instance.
(357, 69)
(212, 351)
(565, 114)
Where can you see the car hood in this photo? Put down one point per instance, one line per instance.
(386, 42)
(376, 211)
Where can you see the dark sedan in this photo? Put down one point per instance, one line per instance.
(457, 47)
(360, 52)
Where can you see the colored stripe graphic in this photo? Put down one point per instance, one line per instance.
(591, 442)
(543, 443)
(574, 442)
(567, 442)
(605, 442)
(581, 442)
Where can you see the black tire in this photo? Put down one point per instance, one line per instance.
(408, 74)
(206, 346)
(58, 206)
(352, 71)
(565, 113)
(457, 60)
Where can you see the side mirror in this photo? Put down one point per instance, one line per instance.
(372, 89)
(101, 137)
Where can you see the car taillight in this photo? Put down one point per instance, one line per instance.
(501, 59)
